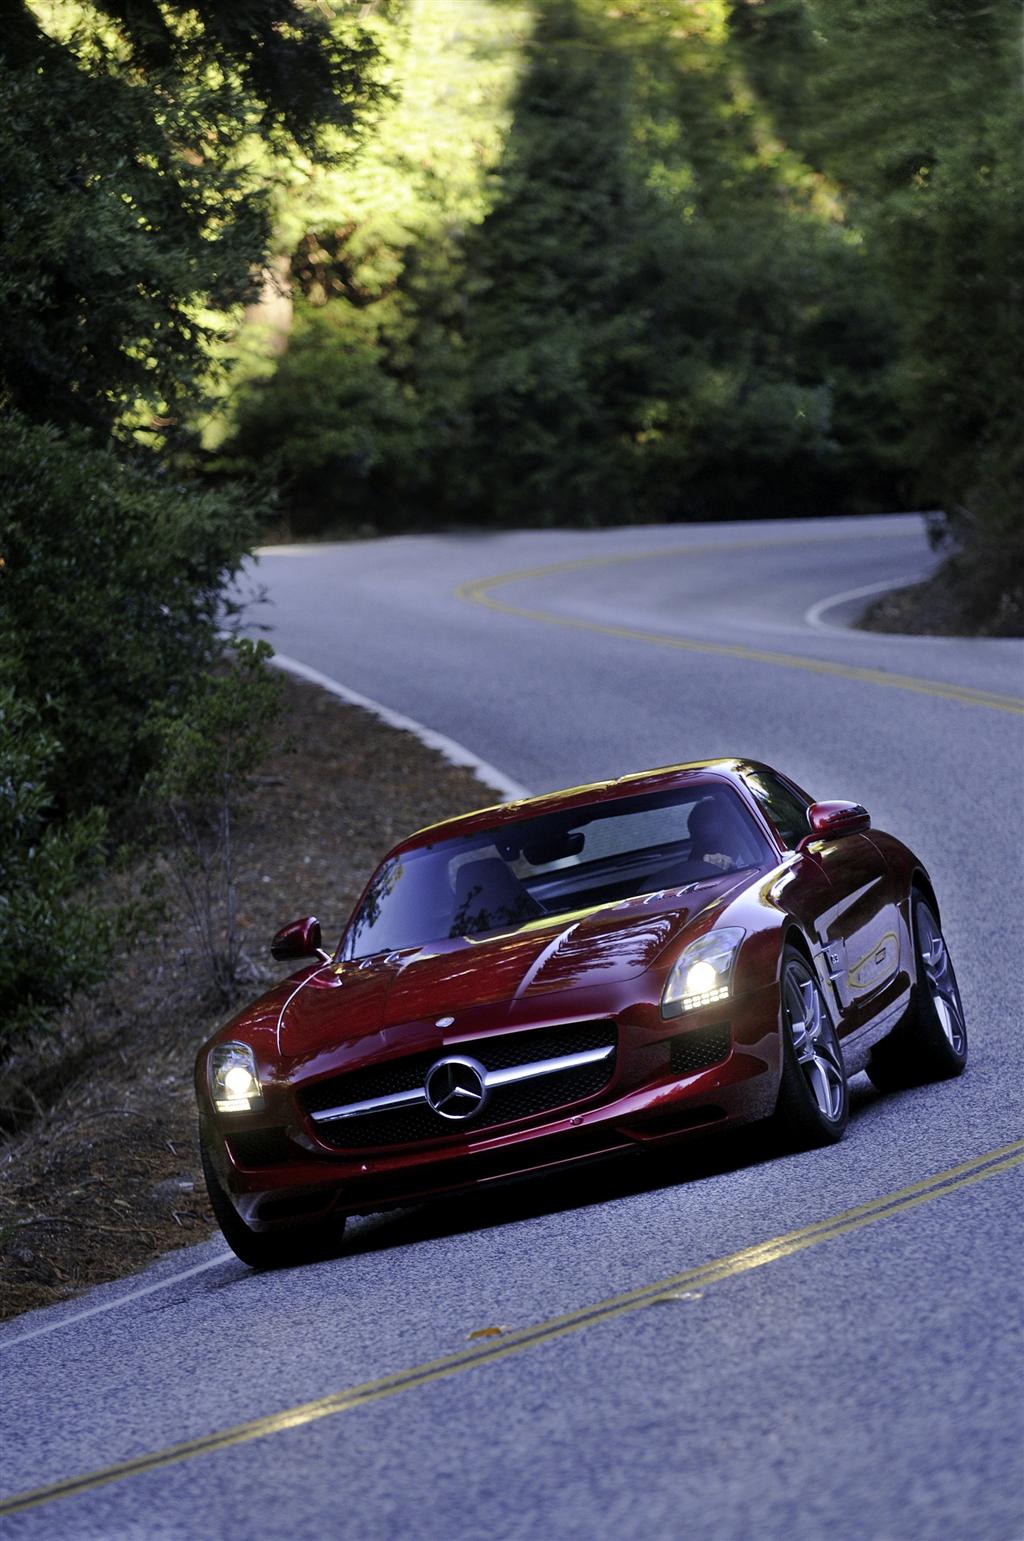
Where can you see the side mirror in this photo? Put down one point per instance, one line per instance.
(829, 820)
(299, 939)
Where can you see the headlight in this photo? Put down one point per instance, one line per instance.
(234, 1084)
(702, 973)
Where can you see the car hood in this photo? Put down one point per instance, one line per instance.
(582, 950)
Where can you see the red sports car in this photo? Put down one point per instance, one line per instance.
(617, 965)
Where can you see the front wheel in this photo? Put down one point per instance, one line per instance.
(814, 1101)
(930, 1044)
(268, 1249)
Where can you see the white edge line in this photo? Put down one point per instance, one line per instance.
(456, 754)
(812, 616)
(108, 1305)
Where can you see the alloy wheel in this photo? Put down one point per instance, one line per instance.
(939, 980)
(815, 1043)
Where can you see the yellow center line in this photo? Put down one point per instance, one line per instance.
(483, 1352)
(480, 591)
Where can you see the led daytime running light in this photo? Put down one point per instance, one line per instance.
(702, 974)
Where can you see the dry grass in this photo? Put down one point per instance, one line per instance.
(104, 1175)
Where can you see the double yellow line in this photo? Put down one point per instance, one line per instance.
(481, 591)
(489, 1350)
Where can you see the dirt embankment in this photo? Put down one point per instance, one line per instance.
(944, 606)
(105, 1176)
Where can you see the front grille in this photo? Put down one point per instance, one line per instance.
(699, 1049)
(505, 1104)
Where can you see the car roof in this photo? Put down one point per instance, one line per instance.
(663, 778)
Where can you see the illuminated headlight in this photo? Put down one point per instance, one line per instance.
(234, 1084)
(702, 974)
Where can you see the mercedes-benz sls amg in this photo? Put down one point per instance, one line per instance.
(624, 964)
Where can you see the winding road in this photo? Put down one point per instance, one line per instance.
(710, 1345)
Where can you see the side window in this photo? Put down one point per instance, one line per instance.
(781, 805)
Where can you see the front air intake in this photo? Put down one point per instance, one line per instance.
(699, 1049)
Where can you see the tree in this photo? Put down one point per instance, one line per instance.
(139, 144)
(134, 156)
(585, 281)
(914, 107)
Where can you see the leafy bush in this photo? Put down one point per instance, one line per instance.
(658, 295)
(110, 596)
(331, 424)
(206, 753)
(51, 938)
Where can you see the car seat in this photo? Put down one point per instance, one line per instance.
(488, 895)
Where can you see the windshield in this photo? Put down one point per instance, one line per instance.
(498, 879)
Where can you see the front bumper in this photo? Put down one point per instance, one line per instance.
(291, 1175)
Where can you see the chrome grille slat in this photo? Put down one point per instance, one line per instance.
(372, 1105)
(546, 1066)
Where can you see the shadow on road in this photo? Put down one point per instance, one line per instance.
(621, 1175)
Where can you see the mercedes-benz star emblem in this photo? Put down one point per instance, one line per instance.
(456, 1087)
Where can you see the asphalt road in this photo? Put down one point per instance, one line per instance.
(859, 1377)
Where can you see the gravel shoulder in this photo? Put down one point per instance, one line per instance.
(105, 1176)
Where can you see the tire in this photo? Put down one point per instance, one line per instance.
(930, 1043)
(813, 1106)
(268, 1249)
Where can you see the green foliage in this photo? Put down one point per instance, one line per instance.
(616, 296)
(51, 938)
(963, 374)
(110, 595)
(206, 752)
(755, 257)
(136, 187)
(103, 253)
(657, 293)
(331, 424)
(278, 64)
(140, 147)
(362, 411)
(914, 107)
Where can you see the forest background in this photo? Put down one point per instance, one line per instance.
(357, 268)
